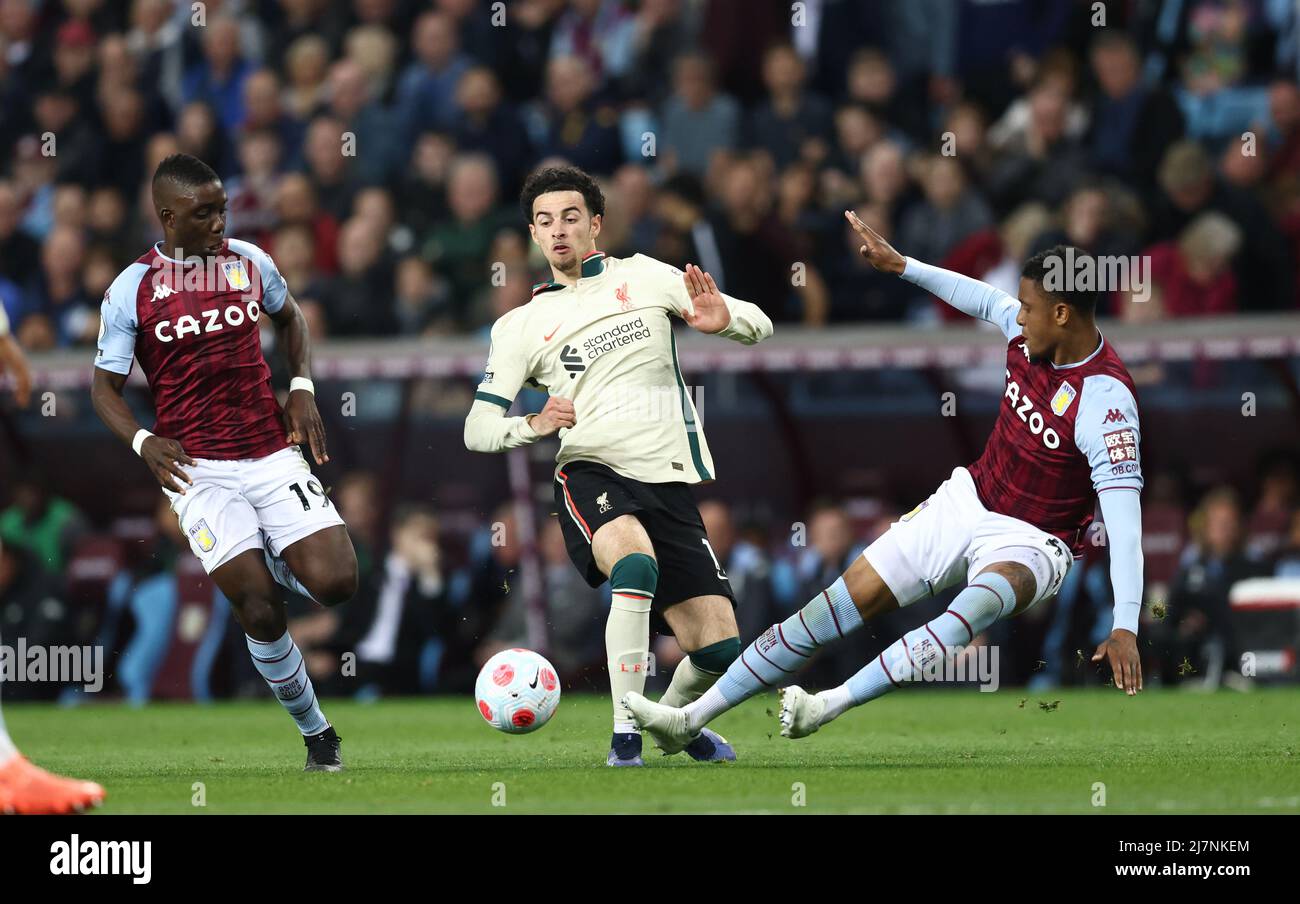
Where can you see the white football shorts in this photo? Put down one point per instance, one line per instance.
(255, 503)
(952, 537)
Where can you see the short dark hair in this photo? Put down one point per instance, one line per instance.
(562, 178)
(1059, 257)
(183, 171)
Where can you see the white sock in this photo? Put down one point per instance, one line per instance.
(689, 682)
(779, 652)
(988, 598)
(281, 664)
(627, 646)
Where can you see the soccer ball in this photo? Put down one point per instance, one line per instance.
(517, 691)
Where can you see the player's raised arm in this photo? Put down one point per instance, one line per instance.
(487, 429)
(1108, 434)
(970, 296)
(710, 311)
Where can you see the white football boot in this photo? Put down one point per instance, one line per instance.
(666, 725)
(801, 712)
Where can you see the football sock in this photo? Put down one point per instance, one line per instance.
(779, 652)
(988, 598)
(281, 664)
(698, 671)
(7, 749)
(632, 582)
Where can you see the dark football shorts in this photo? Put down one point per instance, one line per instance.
(589, 496)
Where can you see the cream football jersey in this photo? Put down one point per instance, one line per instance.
(606, 343)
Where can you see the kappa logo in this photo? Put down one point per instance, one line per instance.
(160, 291)
(572, 361)
(625, 303)
(602, 501)
(1114, 416)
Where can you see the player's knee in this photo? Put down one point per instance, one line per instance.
(260, 616)
(336, 587)
(717, 657)
(1033, 576)
(1001, 589)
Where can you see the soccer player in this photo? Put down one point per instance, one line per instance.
(598, 337)
(25, 788)
(1066, 438)
(223, 450)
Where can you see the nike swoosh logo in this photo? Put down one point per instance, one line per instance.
(533, 683)
(547, 338)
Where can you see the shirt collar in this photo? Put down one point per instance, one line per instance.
(592, 265)
(1100, 345)
(157, 247)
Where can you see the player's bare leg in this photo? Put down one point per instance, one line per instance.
(999, 591)
(705, 628)
(325, 564)
(253, 595)
(27, 789)
(623, 551)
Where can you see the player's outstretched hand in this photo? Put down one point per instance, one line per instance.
(303, 423)
(555, 414)
(879, 253)
(711, 312)
(164, 458)
(1121, 651)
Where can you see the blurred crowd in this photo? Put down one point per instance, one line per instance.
(375, 147)
(437, 599)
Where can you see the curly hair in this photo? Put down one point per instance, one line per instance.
(1057, 258)
(562, 178)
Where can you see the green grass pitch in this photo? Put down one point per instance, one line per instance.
(911, 752)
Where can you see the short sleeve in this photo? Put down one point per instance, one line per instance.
(1107, 432)
(118, 322)
(274, 289)
(507, 365)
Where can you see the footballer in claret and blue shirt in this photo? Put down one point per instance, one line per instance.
(1067, 439)
(222, 449)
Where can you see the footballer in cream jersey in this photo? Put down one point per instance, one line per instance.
(606, 343)
(598, 338)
